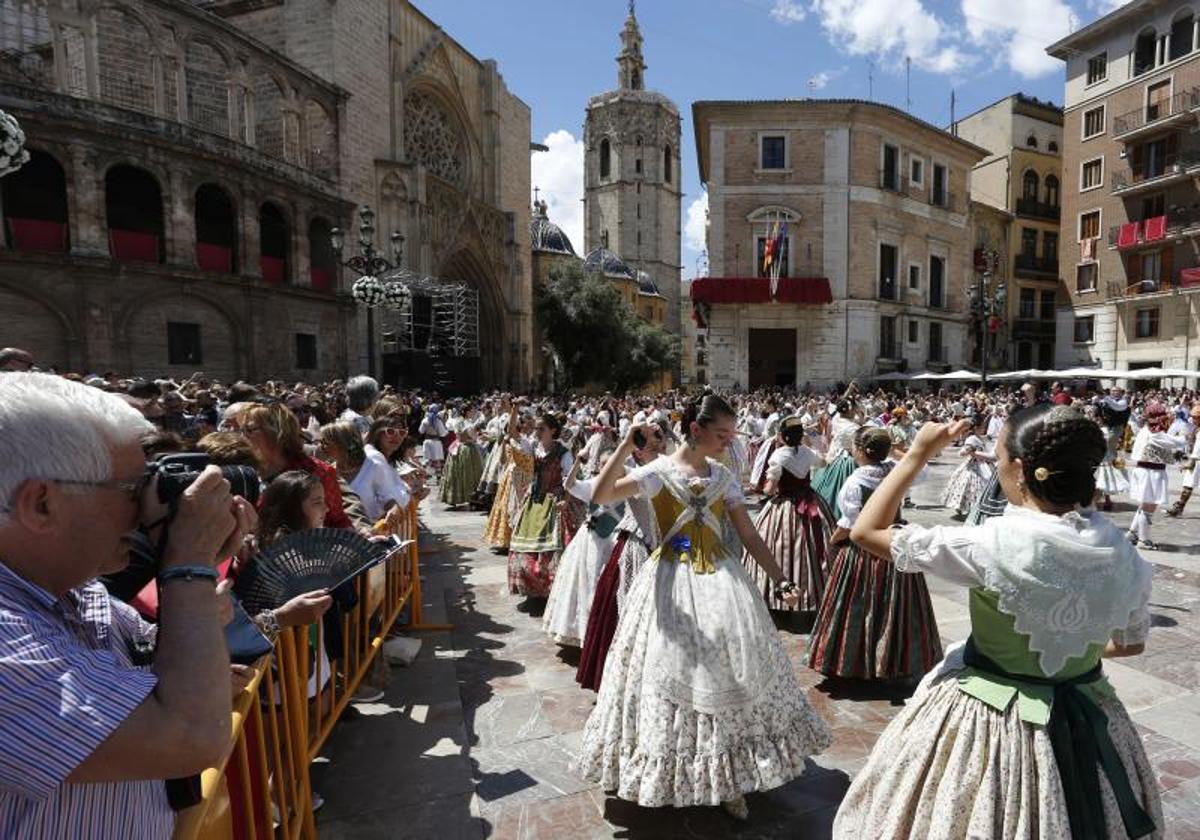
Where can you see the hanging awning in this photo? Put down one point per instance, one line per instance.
(758, 290)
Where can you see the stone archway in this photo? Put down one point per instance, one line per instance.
(495, 356)
(37, 326)
(178, 334)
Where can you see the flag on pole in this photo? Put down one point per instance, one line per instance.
(769, 248)
(777, 244)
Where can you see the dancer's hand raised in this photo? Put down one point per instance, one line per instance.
(934, 437)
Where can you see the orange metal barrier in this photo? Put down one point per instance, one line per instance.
(262, 789)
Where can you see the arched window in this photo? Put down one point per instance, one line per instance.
(274, 238)
(1052, 190)
(1031, 141)
(216, 230)
(1145, 50)
(133, 205)
(35, 205)
(667, 164)
(772, 229)
(1052, 146)
(1029, 188)
(322, 264)
(1181, 35)
(605, 158)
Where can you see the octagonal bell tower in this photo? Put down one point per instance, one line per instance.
(631, 173)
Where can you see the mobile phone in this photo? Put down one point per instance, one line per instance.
(639, 439)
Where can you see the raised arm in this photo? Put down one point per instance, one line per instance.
(873, 529)
(612, 485)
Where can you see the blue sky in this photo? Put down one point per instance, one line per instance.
(554, 54)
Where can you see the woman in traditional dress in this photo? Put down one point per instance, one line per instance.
(464, 464)
(544, 525)
(873, 623)
(699, 704)
(969, 478)
(566, 617)
(839, 458)
(516, 473)
(493, 466)
(1112, 478)
(792, 523)
(1191, 470)
(635, 537)
(1017, 734)
(432, 430)
(1153, 449)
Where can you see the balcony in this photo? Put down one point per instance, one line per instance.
(1157, 229)
(1031, 208)
(1129, 181)
(1158, 115)
(1035, 329)
(1036, 266)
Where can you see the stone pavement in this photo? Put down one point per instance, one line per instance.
(476, 738)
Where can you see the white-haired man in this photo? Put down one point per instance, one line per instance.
(362, 392)
(88, 732)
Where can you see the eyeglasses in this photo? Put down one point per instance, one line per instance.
(134, 489)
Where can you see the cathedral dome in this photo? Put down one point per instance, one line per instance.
(548, 237)
(545, 235)
(646, 285)
(608, 264)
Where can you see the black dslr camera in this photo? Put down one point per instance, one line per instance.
(176, 473)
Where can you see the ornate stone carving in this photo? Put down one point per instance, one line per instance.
(432, 139)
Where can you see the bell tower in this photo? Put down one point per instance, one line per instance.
(631, 173)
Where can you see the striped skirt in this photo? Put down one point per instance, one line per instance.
(874, 623)
(797, 533)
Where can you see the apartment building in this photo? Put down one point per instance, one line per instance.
(865, 210)
(1021, 176)
(1131, 206)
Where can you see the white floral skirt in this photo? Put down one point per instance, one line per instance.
(951, 767)
(566, 617)
(966, 485)
(699, 704)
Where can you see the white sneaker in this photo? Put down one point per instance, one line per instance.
(401, 650)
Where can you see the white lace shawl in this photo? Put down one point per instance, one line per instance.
(1069, 581)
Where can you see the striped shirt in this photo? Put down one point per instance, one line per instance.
(67, 681)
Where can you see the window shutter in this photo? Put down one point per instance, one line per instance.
(1133, 269)
(1166, 267)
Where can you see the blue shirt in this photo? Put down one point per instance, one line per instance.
(67, 681)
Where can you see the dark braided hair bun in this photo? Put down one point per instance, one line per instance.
(792, 431)
(1060, 450)
(873, 442)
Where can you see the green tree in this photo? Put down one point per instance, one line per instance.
(597, 336)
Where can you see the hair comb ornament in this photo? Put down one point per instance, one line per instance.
(1041, 473)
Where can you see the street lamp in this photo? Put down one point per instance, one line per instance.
(368, 290)
(987, 297)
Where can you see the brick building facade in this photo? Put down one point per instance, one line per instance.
(873, 210)
(189, 164)
(1130, 261)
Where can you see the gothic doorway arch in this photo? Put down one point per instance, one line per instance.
(497, 360)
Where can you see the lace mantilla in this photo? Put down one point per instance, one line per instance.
(1064, 595)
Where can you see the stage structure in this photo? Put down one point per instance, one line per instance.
(433, 343)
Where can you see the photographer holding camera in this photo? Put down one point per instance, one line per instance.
(90, 733)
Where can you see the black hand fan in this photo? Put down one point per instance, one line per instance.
(319, 558)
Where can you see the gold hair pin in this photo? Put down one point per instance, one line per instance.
(1041, 473)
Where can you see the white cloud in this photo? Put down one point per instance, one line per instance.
(1019, 32)
(695, 227)
(558, 173)
(787, 12)
(1106, 6)
(821, 80)
(893, 30)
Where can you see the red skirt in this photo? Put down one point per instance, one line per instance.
(602, 620)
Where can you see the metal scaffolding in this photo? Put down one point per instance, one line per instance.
(442, 319)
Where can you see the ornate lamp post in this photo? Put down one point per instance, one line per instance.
(368, 290)
(987, 297)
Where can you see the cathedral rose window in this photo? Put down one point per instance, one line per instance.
(432, 139)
